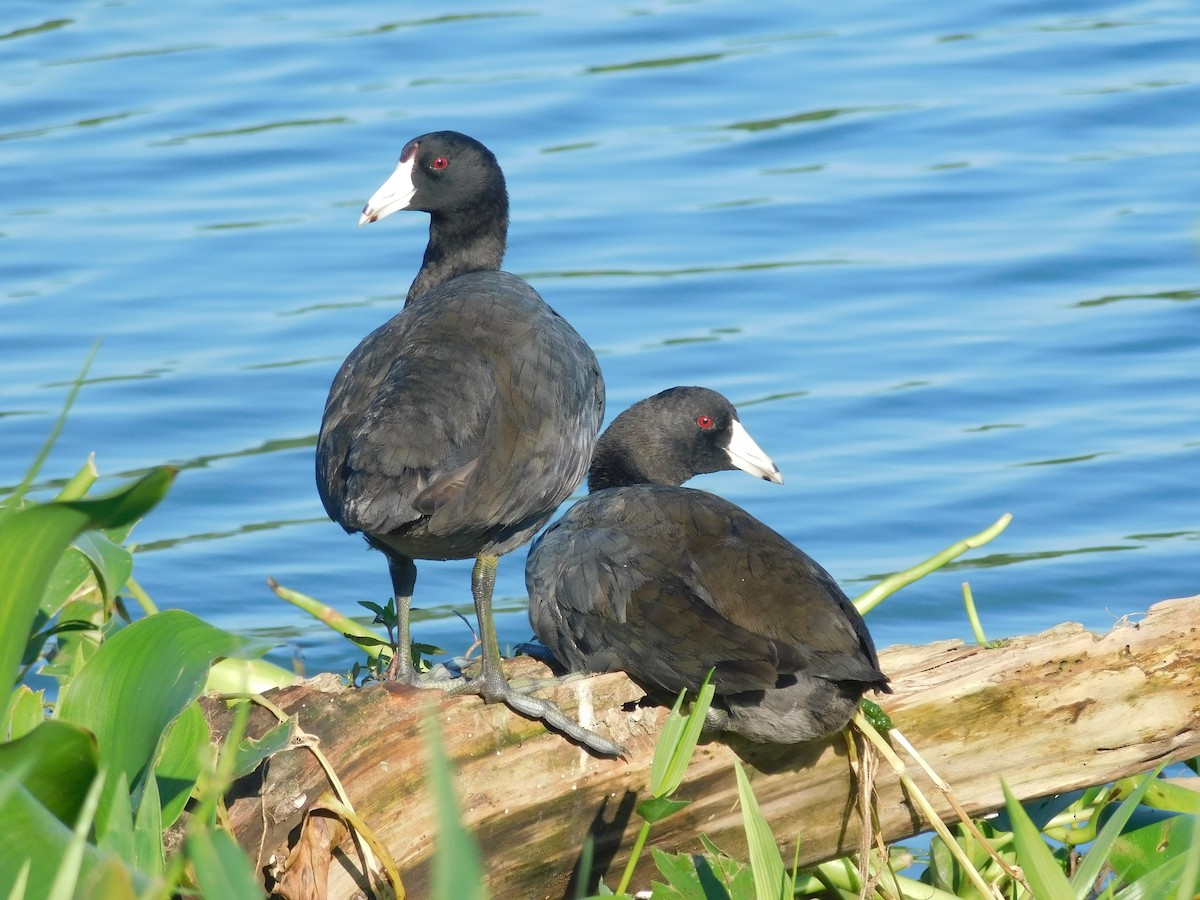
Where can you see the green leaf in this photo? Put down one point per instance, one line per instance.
(247, 676)
(56, 763)
(1172, 875)
(138, 682)
(21, 883)
(1171, 797)
(178, 763)
(118, 837)
(34, 840)
(1142, 850)
(368, 640)
(1097, 855)
(112, 563)
(711, 876)
(148, 831)
(251, 751)
(677, 741)
(71, 862)
(222, 870)
(32, 541)
(770, 877)
(33, 647)
(457, 864)
(658, 808)
(1043, 871)
(683, 879)
(669, 736)
(25, 712)
(70, 574)
(110, 880)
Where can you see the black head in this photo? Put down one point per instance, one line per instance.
(668, 438)
(458, 182)
(442, 173)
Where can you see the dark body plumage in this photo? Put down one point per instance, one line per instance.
(456, 429)
(459, 426)
(665, 582)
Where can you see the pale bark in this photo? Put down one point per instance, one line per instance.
(1049, 712)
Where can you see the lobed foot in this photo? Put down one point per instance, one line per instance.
(498, 690)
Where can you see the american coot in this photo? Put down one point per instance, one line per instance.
(665, 582)
(455, 429)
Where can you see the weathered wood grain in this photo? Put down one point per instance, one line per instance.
(1050, 712)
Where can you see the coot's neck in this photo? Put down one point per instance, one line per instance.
(460, 242)
(620, 461)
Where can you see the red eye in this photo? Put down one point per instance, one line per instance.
(440, 163)
(704, 422)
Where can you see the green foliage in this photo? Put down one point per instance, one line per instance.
(138, 682)
(457, 864)
(1120, 862)
(770, 879)
(677, 742)
(32, 540)
(672, 754)
(708, 876)
(125, 719)
(1043, 871)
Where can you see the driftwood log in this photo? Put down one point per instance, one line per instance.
(1050, 712)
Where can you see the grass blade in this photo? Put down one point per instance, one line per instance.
(770, 877)
(1045, 875)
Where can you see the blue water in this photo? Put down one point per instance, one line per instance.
(944, 257)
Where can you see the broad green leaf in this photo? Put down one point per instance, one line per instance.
(32, 541)
(1138, 852)
(25, 712)
(247, 676)
(178, 763)
(683, 883)
(1169, 879)
(56, 764)
(1045, 875)
(138, 682)
(222, 870)
(712, 876)
(457, 864)
(770, 878)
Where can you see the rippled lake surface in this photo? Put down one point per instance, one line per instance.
(944, 258)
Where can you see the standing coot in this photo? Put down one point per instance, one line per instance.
(665, 582)
(455, 429)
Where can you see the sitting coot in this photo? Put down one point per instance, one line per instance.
(455, 429)
(665, 582)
